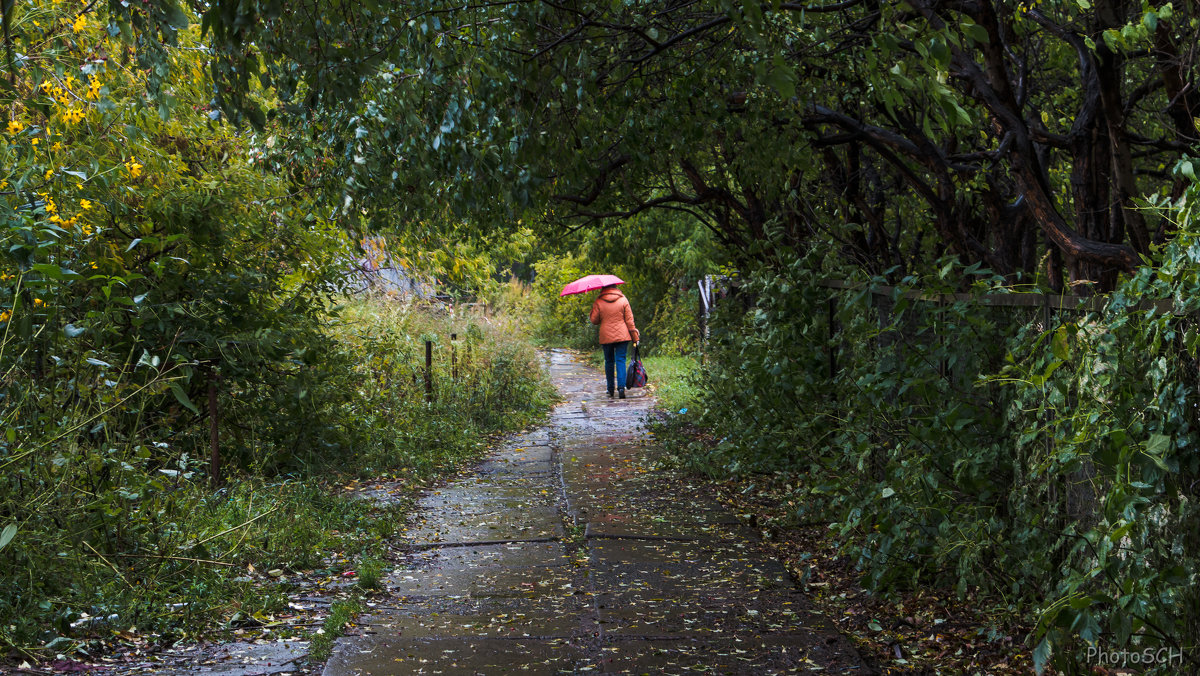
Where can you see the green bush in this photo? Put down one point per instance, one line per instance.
(675, 330)
(959, 444)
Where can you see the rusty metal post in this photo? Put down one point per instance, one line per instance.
(429, 370)
(454, 356)
(214, 431)
(832, 335)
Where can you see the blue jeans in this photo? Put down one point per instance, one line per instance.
(615, 352)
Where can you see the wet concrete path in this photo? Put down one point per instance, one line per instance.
(567, 552)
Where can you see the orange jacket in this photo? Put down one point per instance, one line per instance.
(612, 312)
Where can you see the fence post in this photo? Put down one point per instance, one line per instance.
(454, 356)
(429, 370)
(1049, 415)
(939, 339)
(214, 431)
(832, 335)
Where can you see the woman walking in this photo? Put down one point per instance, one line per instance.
(612, 312)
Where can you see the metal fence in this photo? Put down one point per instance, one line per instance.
(1078, 493)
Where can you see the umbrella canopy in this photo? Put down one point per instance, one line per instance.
(590, 283)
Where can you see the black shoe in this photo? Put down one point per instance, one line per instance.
(621, 393)
(610, 394)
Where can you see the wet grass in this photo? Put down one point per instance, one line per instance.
(370, 574)
(672, 381)
(341, 614)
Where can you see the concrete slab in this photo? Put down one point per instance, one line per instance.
(650, 613)
(482, 581)
(545, 615)
(517, 494)
(606, 552)
(682, 578)
(515, 555)
(750, 656)
(388, 656)
(246, 659)
(529, 524)
(619, 526)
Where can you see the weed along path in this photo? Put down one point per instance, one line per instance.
(567, 552)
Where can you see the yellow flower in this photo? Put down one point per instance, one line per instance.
(57, 146)
(36, 141)
(87, 232)
(5, 316)
(93, 90)
(73, 116)
(38, 302)
(51, 207)
(49, 173)
(14, 127)
(3, 184)
(80, 24)
(85, 204)
(133, 168)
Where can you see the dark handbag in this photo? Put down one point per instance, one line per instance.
(635, 375)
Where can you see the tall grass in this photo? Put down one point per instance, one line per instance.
(114, 522)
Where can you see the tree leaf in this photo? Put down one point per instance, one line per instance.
(976, 32)
(6, 536)
(183, 398)
(1041, 654)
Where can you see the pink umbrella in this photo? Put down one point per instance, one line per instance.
(590, 283)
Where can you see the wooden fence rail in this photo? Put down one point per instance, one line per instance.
(1068, 302)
